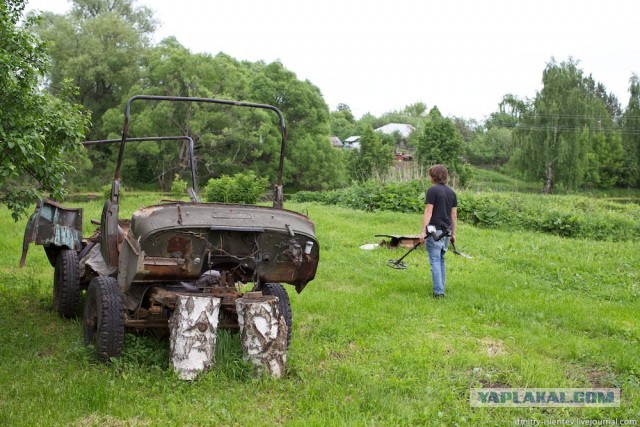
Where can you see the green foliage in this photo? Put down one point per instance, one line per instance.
(106, 192)
(38, 132)
(240, 188)
(343, 124)
(566, 136)
(493, 147)
(312, 163)
(372, 196)
(440, 142)
(178, 186)
(630, 175)
(231, 139)
(103, 45)
(567, 216)
(492, 180)
(100, 45)
(372, 159)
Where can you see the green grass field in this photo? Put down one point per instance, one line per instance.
(369, 346)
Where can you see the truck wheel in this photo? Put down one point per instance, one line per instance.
(66, 283)
(283, 304)
(103, 319)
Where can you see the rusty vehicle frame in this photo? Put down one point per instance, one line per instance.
(133, 270)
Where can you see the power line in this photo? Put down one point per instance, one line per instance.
(632, 131)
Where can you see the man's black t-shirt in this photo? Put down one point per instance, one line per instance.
(443, 200)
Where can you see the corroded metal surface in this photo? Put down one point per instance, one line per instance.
(53, 226)
(182, 240)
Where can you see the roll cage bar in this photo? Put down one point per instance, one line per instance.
(115, 189)
(192, 165)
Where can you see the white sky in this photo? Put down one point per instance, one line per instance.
(379, 56)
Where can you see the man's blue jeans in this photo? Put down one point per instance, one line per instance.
(436, 251)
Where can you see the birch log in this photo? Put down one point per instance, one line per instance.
(263, 332)
(192, 334)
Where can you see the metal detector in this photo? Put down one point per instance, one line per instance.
(455, 251)
(397, 263)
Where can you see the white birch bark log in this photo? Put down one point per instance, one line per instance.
(192, 335)
(263, 333)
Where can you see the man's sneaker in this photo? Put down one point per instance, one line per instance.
(438, 296)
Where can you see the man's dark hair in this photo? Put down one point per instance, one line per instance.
(439, 174)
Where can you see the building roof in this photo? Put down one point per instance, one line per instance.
(352, 139)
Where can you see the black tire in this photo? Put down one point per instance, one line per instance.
(283, 304)
(103, 319)
(66, 283)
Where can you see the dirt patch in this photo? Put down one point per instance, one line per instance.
(98, 420)
(493, 347)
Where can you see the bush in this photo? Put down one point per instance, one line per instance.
(372, 196)
(106, 192)
(178, 186)
(240, 188)
(568, 216)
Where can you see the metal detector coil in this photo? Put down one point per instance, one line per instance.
(397, 263)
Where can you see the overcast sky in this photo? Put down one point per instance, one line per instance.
(380, 56)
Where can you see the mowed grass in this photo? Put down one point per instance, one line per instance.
(369, 347)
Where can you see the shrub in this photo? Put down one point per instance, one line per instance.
(240, 188)
(372, 196)
(178, 186)
(106, 192)
(568, 216)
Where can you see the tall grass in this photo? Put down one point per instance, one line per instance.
(369, 346)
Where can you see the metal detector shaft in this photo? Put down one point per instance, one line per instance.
(457, 252)
(397, 263)
(410, 250)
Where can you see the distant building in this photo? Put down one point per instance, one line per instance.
(352, 143)
(335, 142)
(403, 157)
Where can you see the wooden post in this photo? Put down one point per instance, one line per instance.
(263, 332)
(192, 334)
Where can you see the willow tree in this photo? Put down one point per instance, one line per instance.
(631, 135)
(566, 134)
(100, 45)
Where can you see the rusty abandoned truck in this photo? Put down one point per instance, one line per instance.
(134, 269)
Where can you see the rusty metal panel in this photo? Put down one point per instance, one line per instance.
(263, 244)
(52, 224)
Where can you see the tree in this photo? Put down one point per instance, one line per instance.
(566, 136)
(440, 142)
(36, 129)
(631, 135)
(492, 147)
(509, 114)
(228, 140)
(100, 45)
(312, 162)
(417, 110)
(372, 159)
(343, 124)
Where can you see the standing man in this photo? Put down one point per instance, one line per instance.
(439, 224)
